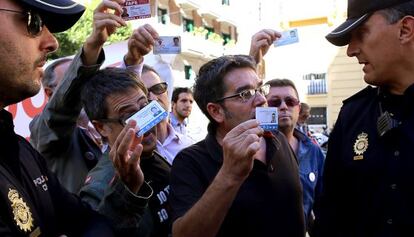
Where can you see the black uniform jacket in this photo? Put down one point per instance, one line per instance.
(32, 202)
(368, 178)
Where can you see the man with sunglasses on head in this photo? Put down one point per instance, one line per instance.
(141, 43)
(116, 187)
(369, 170)
(239, 180)
(33, 201)
(285, 97)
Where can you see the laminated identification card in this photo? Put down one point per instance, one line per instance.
(267, 117)
(148, 117)
(168, 45)
(288, 37)
(136, 9)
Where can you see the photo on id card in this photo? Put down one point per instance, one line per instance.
(136, 9)
(288, 37)
(267, 117)
(148, 117)
(167, 45)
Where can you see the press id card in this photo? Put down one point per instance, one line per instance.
(148, 117)
(136, 9)
(168, 45)
(288, 37)
(267, 117)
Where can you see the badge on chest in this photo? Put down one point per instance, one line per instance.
(360, 146)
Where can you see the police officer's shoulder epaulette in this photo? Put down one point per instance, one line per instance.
(360, 94)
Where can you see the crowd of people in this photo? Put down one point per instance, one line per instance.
(86, 172)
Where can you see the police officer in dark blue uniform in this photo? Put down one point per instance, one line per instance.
(369, 169)
(32, 201)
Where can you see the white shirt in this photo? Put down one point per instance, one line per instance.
(173, 144)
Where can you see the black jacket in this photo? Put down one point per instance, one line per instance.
(32, 200)
(368, 179)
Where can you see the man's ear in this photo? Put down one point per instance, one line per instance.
(407, 29)
(172, 105)
(101, 128)
(216, 112)
(48, 92)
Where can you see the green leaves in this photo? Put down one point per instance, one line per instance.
(71, 40)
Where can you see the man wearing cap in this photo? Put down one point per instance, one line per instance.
(369, 169)
(33, 201)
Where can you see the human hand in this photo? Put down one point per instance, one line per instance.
(239, 147)
(105, 24)
(261, 42)
(125, 155)
(140, 44)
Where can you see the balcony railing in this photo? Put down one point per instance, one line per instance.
(317, 87)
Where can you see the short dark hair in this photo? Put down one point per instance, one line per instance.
(397, 12)
(178, 90)
(104, 83)
(49, 75)
(303, 106)
(209, 85)
(282, 83)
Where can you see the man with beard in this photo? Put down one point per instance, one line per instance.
(285, 97)
(239, 180)
(115, 186)
(182, 104)
(33, 201)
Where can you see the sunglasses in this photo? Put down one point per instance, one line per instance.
(248, 94)
(159, 88)
(289, 101)
(34, 21)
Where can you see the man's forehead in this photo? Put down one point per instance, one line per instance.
(185, 94)
(282, 90)
(242, 78)
(150, 78)
(10, 3)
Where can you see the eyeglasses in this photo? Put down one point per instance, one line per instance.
(248, 94)
(289, 101)
(159, 88)
(34, 21)
(122, 119)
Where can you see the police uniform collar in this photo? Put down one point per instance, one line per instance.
(6, 120)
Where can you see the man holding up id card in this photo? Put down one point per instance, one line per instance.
(239, 180)
(133, 173)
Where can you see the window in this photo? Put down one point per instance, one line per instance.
(210, 30)
(316, 83)
(226, 38)
(162, 16)
(317, 116)
(188, 25)
(188, 72)
(225, 2)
